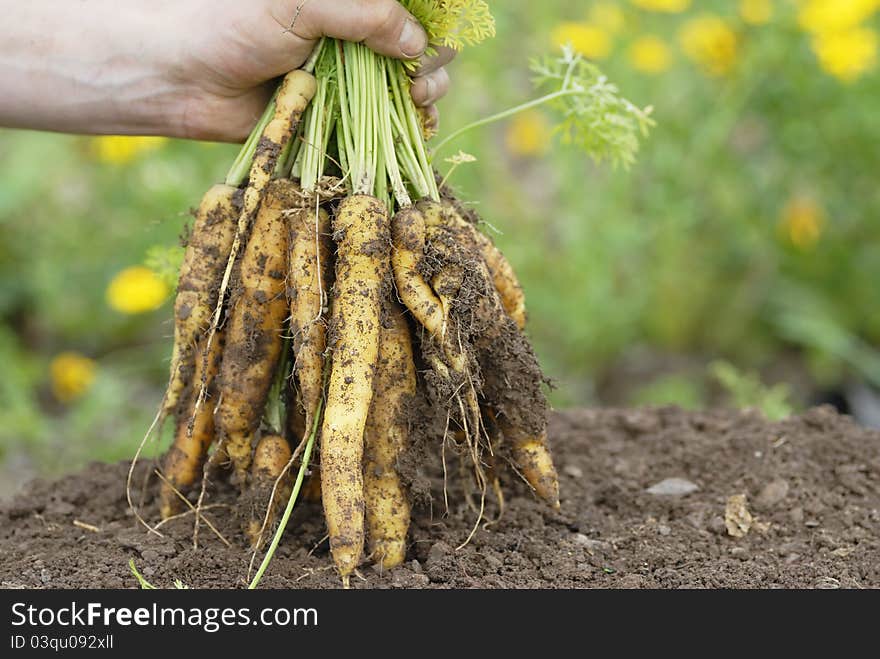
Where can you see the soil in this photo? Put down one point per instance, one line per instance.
(794, 504)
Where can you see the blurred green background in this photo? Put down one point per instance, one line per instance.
(736, 263)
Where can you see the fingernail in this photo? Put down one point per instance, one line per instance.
(413, 40)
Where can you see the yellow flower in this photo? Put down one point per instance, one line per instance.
(756, 12)
(119, 149)
(821, 16)
(528, 134)
(711, 43)
(607, 15)
(136, 290)
(802, 221)
(71, 374)
(848, 54)
(668, 6)
(650, 54)
(587, 39)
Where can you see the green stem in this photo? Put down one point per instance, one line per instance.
(312, 62)
(307, 454)
(290, 154)
(413, 124)
(312, 155)
(346, 144)
(359, 100)
(319, 123)
(386, 137)
(241, 167)
(274, 414)
(504, 115)
(449, 174)
(144, 584)
(403, 142)
(295, 172)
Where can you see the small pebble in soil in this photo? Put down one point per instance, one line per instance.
(717, 525)
(772, 494)
(419, 580)
(573, 470)
(438, 551)
(589, 543)
(672, 487)
(739, 552)
(494, 562)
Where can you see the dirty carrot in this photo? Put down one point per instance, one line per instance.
(361, 223)
(271, 458)
(254, 329)
(386, 435)
(182, 464)
(203, 262)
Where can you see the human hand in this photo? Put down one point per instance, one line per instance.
(229, 65)
(199, 69)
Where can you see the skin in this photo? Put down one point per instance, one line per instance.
(198, 69)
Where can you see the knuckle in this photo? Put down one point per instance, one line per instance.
(441, 82)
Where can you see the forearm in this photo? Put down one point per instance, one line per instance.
(89, 66)
(201, 69)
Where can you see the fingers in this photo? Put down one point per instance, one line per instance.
(430, 80)
(430, 88)
(443, 56)
(382, 25)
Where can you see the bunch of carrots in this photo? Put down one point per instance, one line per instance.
(337, 304)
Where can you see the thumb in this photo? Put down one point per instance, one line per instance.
(384, 26)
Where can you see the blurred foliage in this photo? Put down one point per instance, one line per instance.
(745, 390)
(671, 389)
(747, 231)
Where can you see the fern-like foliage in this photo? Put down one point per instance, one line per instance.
(594, 116)
(454, 23)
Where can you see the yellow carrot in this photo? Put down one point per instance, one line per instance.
(206, 253)
(254, 329)
(386, 435)
(361, 224)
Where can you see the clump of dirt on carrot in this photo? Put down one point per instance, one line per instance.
(335, 296)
